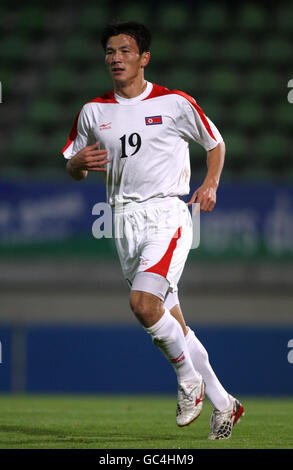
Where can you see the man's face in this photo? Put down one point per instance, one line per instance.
(123, 59)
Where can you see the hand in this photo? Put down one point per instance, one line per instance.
(205, 195)
(90, 158)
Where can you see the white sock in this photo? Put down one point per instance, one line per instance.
(167, 334)
(200, 359)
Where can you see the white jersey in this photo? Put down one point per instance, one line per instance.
(147, 141)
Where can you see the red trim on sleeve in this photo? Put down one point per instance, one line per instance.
(158, 90)
(106, 98)
(73, 133)
(162, 267)
(161, 91)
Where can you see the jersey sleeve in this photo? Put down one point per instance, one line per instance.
(194, 124)
(80, 135)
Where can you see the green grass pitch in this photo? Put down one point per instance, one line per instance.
(134, 422)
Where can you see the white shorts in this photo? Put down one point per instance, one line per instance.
(154, 237)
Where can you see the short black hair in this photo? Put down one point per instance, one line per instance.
(137, 30)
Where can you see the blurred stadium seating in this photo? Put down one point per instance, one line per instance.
(236, 62)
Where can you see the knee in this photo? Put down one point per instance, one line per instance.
(139, 307)
(146, 307)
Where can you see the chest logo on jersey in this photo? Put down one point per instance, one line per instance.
(103, 127)
(151, 120)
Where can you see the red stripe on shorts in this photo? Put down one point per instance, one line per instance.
(162, 267)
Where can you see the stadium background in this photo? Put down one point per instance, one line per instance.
(65, 323)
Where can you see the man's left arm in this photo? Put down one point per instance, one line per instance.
(205, 195)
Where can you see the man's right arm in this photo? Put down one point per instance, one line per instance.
(90, 158)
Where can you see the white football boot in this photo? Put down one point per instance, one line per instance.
(222, 422)
(189, 405)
